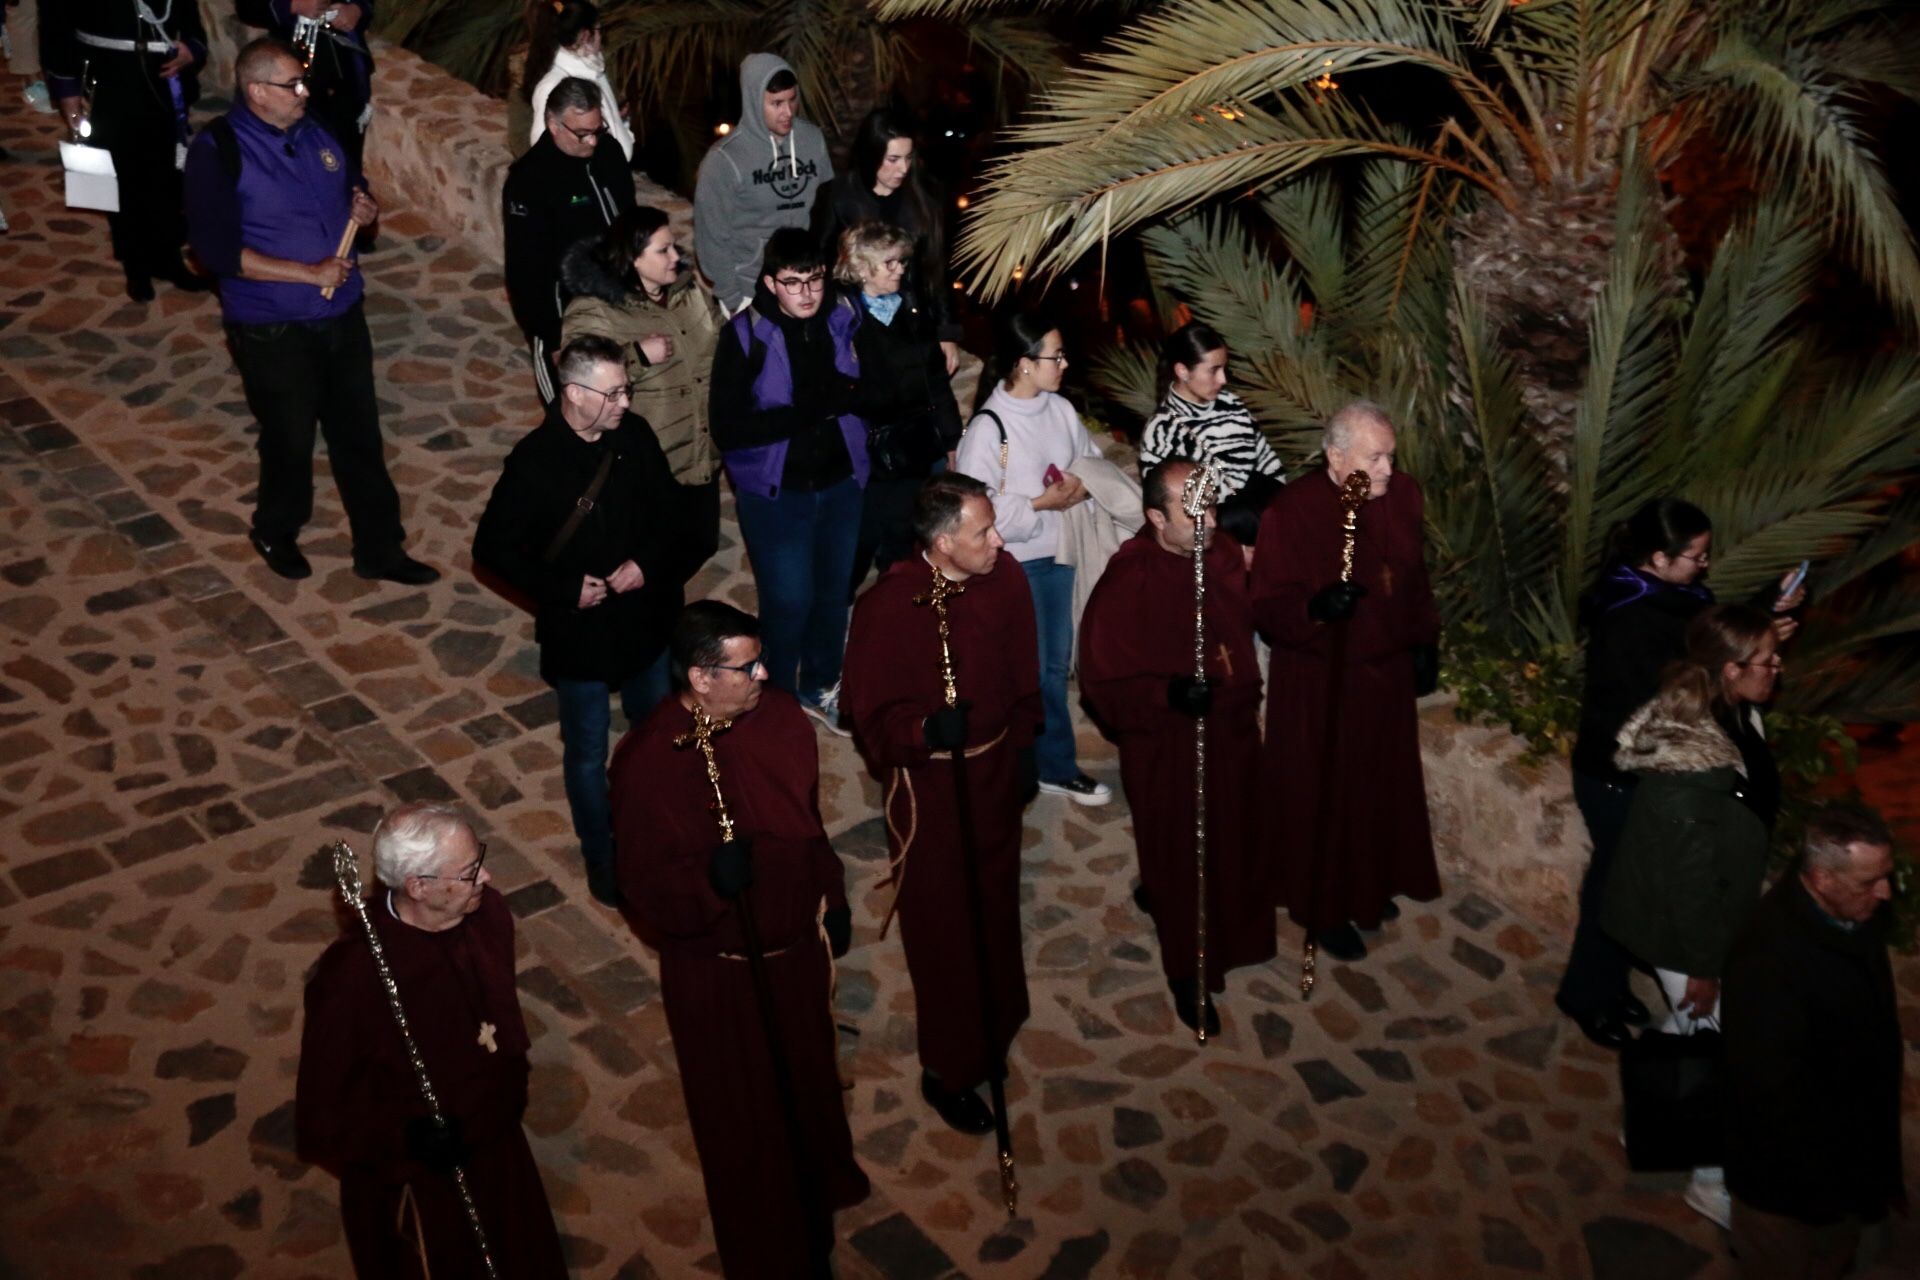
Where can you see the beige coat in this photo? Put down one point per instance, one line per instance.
(671, 395)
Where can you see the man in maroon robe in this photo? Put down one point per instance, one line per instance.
(1342, 756)
(771, 1191)
(358, 1113)
(895, 695)
(1136, 672)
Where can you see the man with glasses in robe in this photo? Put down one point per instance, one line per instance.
(269, 194)
(565, 188)
(581, 524)
(358, 1113)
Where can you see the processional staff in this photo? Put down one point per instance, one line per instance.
(346, 870)
(1196, 495)
(937, 595)
(701, 736)
(1353, 495)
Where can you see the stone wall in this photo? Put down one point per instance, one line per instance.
(1510, 825)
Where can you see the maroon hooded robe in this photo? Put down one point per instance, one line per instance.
(892, 684)
(356, 1091)
(1136, 635)
(1377, 844)
(665, 832)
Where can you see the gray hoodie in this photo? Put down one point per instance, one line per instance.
(751, 184)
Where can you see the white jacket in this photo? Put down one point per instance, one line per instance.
(568, 63)
(1042, 431)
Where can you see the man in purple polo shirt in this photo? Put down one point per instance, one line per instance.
(269, 193)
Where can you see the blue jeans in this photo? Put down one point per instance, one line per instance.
(586, 719)
(1052, 586)
(800, 545)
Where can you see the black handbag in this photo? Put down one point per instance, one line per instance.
(903, 450)
(1670, 1090)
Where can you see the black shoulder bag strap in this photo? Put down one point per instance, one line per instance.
(581, 507)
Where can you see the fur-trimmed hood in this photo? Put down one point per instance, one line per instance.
(582, 276)
(1657, 739)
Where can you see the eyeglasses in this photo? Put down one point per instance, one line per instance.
(802, 284)
(291, 86)
(1704, 558)
(1061, 358)
(748, 669)
(622, 392)
(1774, 660)
(584, 135)
(471, 875)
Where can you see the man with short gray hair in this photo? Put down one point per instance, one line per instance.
(1351, 652)
(1814, 1056)
(358, 1113)
(565, 188)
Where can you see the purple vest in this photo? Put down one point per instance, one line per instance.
(758, 470)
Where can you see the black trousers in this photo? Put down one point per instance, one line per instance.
(133, 119)
(1598, 967)
(886, 526)
(298, 376)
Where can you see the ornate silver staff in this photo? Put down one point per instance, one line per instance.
(1196, 495)
(937, 595)
(820, 1237)
(1353, 495)
(346, 870)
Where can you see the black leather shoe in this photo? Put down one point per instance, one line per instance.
(604, 887)
(1632, 1012)
(282, 556)
(1140, 899)
(1183, 1008)
(962, 1109)
(1343, 943)
(399, 567)
(1604, 1029)
(139, 286)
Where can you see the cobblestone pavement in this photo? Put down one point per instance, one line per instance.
(181, 732)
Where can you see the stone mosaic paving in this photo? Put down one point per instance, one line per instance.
(180, 732)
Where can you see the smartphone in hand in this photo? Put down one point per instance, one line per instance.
(1793, 583)
(1052, 477)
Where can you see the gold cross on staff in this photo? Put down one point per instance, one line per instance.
(486, 1037)
(1226, 659)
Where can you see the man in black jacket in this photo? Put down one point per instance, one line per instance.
(1814, 1057)
(583, 523)
(565, 188)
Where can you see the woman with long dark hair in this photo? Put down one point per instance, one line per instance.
(1636, 619)
(1199, 418)
(564, 40)
(1022, 444)
(884, 182)
(631, 285)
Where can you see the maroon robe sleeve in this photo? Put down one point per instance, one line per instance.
(1124, 665)
(338, 1123)
(1423, 614)
(1284, 563)
(664, 835)
(886, 697)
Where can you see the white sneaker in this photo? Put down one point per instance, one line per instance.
(1081, 790)
(1708, 1196)
(825, 708)
(38, 98)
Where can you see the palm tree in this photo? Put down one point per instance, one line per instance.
(1457, 209)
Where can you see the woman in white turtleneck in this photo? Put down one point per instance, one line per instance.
(575, 35)
(1030, 484)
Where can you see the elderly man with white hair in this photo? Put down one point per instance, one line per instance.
(358, 1113)
(1350, 655)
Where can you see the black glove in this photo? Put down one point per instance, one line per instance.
(1190, 697)
(946, 729)
(838, 922)
(441, 1146)
(1334, 603)
(1426, 669)
(730, 867)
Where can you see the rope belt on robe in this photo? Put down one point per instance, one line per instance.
(897, 865)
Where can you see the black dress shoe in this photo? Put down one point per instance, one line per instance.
(1604, 1029)
(603, 885)
(1391, 911)
(1140, 899)
(399, 567)
(1343, 943)
(962, 1109)
(139, 286)
(1183, 1008)
(282, 556)
(1632, 1012)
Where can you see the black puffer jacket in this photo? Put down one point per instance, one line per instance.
(903, 384)
(634, 518)
(1636, 624)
